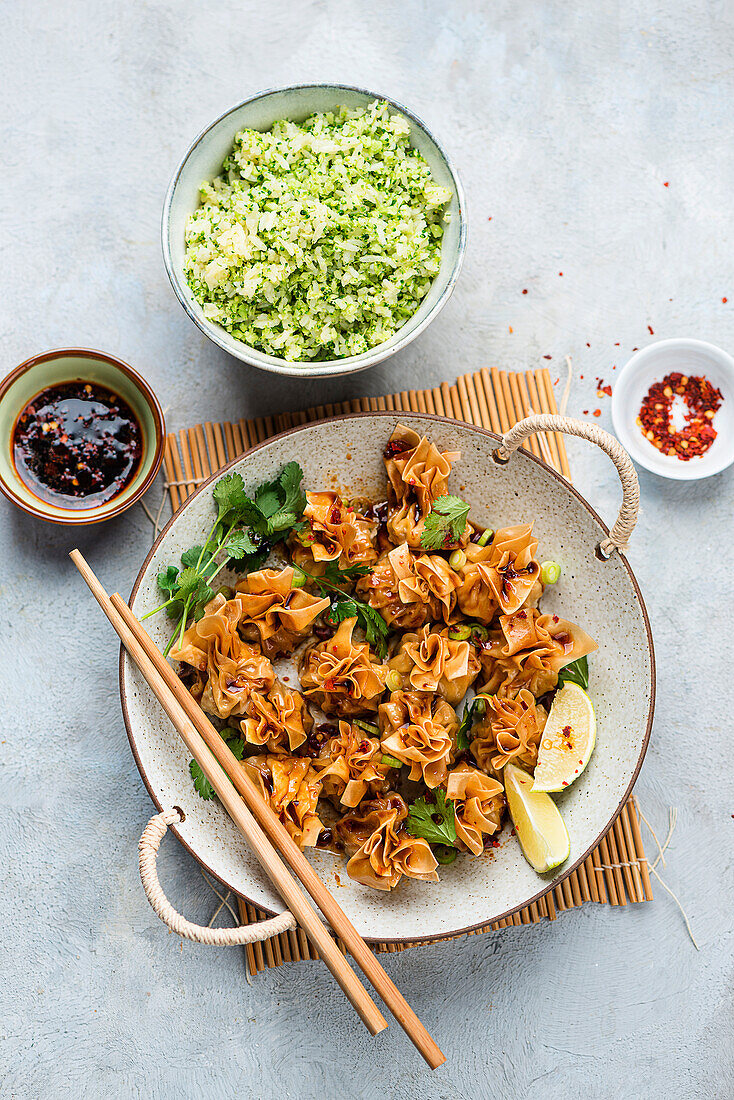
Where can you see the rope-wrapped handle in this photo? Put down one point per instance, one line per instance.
(148, 847)
(549, 422)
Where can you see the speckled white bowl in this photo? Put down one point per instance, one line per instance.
(204, 160)
(602, 596)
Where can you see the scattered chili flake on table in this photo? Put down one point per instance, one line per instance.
(655, 422)
(666, 184)
(601, 389)
(725, 300)
(597, 412)
(525, 292)
(547, 356)
(649, 329)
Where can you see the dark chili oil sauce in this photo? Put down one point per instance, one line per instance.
(77, 444)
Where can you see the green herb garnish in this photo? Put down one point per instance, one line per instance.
(202, 785)
(472, 711)
(576, 673)
(241, 536)
(435, 822)
(344, 606)
(445, 523)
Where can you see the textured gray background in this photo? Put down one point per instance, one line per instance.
(565, 120)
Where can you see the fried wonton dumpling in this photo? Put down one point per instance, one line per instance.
(336, 532)
(418, 474)
(233, 668)
(431, 661)
(408, 589)
(275, 613)
(279, 720)
(291, 787)
(354, 765)
(341, 675)
(502, 576)
(479, 802)
(383, 851)
(509, 732)
(529, 650)
(419, 729)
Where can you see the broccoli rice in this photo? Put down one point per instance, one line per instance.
(319, 239)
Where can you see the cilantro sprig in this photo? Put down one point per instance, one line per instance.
(445, 523)
(241, 536)
(436, 822)
(202, 786)
(345, 606)
(474, 710)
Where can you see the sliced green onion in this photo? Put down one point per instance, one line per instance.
(299, 578)
(394, 680)
(486, 536)
(391, 761)
(457, 559)
(226, 591)
(460, 633)
(444, 854)
(550, 571)
(479, 632)
(368, 727)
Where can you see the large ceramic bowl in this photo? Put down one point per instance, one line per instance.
(602, 596)
(204, 160)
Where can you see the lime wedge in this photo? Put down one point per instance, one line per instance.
(538, 824)
(568, 740)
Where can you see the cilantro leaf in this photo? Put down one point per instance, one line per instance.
(445, 523)
(281, 521)
(268, 498)
(229, 495)
(472, 711)
(422, 820)
(202, 785)
(374, 626)
(334, 574)
(189, 583)
(240, 544)
(190, 560)
(576, 673)
(168, 580)
(290, 482)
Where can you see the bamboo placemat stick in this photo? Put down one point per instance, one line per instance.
(257, 841)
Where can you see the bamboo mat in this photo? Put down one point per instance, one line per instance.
(616, 871)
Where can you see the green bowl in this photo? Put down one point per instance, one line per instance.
(68, 365)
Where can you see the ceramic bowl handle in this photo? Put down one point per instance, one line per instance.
(148, 847)
(550, 422)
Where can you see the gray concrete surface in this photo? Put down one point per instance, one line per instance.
(566, 121)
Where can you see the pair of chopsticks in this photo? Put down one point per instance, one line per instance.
(265, 834)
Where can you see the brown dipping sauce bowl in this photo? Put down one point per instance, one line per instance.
(65, 365)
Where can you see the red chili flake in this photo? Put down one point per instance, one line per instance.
(495, 843)
(489, 219)
(561, 274)
(655, 421)
(588, 345)
(635, 349)
(581, 377)
(524, 291)
(547, 356)
(725, 300)
(510, 328)
(597, 412)
(585, 412)
(666, 184)
(649, 329)
(564, 783)
(601, 389)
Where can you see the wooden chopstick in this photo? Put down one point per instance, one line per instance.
(238, 811)
(208, 745)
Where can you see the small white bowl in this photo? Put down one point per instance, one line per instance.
(650, 365)
(204, 160)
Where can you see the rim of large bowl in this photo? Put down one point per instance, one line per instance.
(79, 518)
(334, 367)
(431, 418)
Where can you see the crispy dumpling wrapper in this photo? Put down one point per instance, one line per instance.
(479, 803)
(509, 732)
(278, 615)
(407, 589)
(279, 720)
(352, 763)
(503, 576)
(291, 787)
(383, 850)
(432, 661)
(336, 532)
(418, 474)
(419, 729)
(341, 675)
(217, 628)
(529, 650)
